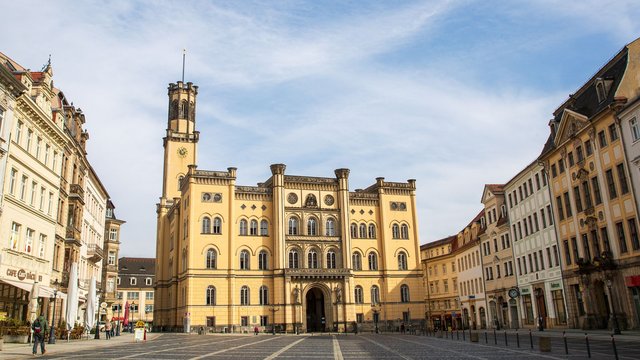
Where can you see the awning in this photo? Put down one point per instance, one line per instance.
(43, 291)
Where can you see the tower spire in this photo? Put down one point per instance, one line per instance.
(184, 55)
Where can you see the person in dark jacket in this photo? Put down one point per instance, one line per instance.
(39, 328)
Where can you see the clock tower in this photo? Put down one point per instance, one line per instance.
(181, 138)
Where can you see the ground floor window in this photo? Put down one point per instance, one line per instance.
(360, 318)
(244, 321)
(579, 302)
(558, 306)
(211, 321)
(528, 309)
(405, 316)
(264, 320)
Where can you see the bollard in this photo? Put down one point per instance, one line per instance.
(486, 338)
(517, 339)
(530, 339)
(506, 343)
(457, 335)
(464, 335)
(613, 343)
(566, 347)
(495, 338)
(586, 339)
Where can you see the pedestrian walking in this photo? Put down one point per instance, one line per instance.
(107, 329)
(255, 330)
(39, 328)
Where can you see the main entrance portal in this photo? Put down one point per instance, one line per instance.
(316, 319)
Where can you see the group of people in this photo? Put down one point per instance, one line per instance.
(40, 328)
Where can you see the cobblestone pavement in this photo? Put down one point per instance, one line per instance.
(363, 346)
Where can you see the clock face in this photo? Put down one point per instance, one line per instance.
(328, 200)
(182, 151)
(514, 293)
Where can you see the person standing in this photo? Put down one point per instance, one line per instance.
(107, 329)
(39, 328)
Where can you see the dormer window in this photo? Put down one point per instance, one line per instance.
(132, 281)
(602, 88)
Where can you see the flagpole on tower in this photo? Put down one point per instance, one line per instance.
(184, 54)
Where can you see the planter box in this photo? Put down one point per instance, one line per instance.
(20, 339)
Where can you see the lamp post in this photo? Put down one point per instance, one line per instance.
(97, 336)
(376, 310)
(52, 332)
(131, 312)
(273, 309)
(119, 320)
(616, 327)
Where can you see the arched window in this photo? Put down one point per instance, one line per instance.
(211, 295)
(253, 229)
(312, 259)
(358, 298)
(363, 231)
(184, 259)
(293, 259)
(404, 231)
(211, 259)
(395, 231)
(262, 260)
(206, 225)
(330, 227)
(217, 225)
(244, 260)
(354, 230)
(356, 261)
(180, 181)
(312, 227)
(372, 231)
(243, 227)
(375, 295)
(264, 228)
(404, 293)
(264, 295)
(293, 226)
(184, 109)
(373, 261)
(244, 295)
(402, 261)
(331, 259)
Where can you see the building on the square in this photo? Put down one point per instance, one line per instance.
(497, 259)
(596, 212)
(110, 262)
(31, 159)
(136, 281)
(303, 253)
(471, 287)
(441, 284)
(535, 249)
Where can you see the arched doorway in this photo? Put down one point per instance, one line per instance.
(316, 319)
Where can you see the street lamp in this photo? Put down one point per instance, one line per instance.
(52, 332)
(376, 310)
(616, 327)
(131, 312)
(119, 320)
(273, 309)
(97, 336)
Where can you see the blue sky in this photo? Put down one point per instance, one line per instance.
(455, 94)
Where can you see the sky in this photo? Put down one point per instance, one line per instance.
(454, 94)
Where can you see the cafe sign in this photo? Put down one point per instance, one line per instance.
(23, 274)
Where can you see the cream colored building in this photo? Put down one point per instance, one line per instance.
(303, 253)
(441, 283)
(536, 249)
(111, 253)
(497, 259)
(595, 209)
(471, 287)
(136, 280)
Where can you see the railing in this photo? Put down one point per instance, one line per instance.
(95, 252)
(76, 190)
(316, 272)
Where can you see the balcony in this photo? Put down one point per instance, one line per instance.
(72, 236)
(95, 253)
(76, 192)
(317, 273)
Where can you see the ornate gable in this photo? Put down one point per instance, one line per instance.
(570, 124)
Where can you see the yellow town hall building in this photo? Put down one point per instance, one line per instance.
(299, 252)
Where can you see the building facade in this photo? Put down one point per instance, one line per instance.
(536, 249)
(111, 252)
(136, 280)
(497, 259)
(596, 211)
(296, 252)
(441, 283)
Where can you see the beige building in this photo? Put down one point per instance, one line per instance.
(596, 211)
(497, 259)
(110, 261)
(441, 283)
(136, 280)
(299, 252)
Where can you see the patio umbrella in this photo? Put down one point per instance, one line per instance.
(125, 321)
(72, 297)
(91, 304)
(33, 302)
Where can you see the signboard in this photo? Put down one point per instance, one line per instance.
(472, 296)
(525, 291)
(138, 334)
(22, 274)
(555, 285)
